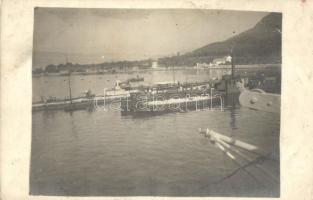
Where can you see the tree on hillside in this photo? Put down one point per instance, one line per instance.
(51, 68)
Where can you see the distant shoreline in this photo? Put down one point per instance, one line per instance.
(220, 67)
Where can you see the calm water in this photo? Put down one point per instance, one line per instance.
(57, 86)
(98, 153)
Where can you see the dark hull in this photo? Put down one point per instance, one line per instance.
(81, 106)
(136, 79)
(216, 103)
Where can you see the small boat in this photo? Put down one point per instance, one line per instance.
(136, 79)
(120, 90)
(117, 90)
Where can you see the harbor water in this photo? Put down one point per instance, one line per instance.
(102, 153)
(57, 86)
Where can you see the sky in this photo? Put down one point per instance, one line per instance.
(88, 36)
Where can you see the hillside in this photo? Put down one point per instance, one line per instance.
(262, 43)
(258, 45)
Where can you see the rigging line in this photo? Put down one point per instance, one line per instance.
(257, 160)
(224, 145)
(269, 156)
(224, 154)
(247, 158)
(252, 176)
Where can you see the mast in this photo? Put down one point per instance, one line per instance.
(69, 86)
(176, 63)
(69, 81)
(232, 64)
(174, 74)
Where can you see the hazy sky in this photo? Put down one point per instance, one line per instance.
(102, 35)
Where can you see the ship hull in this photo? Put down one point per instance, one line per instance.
(170, 106)
(259, 100)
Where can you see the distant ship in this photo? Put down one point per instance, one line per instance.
(165, 97)
(136, 79)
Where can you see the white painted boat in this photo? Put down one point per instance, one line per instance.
(179, 101)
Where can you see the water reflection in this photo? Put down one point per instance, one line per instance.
(102, 153)
(232, 105)
(73, 125)
(110, 153)
(233, 117)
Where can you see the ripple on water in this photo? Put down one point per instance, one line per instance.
(104, 153)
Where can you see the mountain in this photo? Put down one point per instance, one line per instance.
(262, 43)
